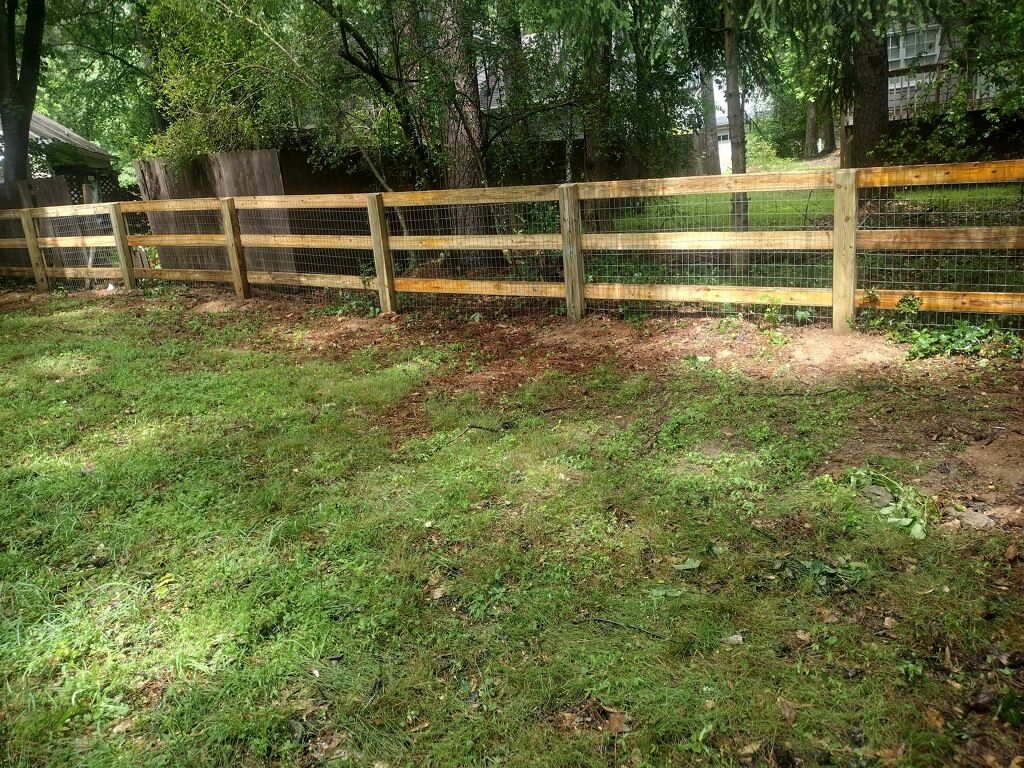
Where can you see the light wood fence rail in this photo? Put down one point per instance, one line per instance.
(845, 240)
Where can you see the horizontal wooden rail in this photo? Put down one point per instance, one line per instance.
(351, 242)
(313, 280)
(171, 206)
(198, 275)
(296, 202)
(710, 294)
(690, 185)
(532, 194)
(551, 242)
(177, 241)
(989, 302)
(86, 209)
(479, 287)
(844, 238)
(78, 241)
(789, 240)
(16, 272)
(965, 238)
(949, 173)
(96, 273)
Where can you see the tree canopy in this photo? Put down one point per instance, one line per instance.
(457, 92)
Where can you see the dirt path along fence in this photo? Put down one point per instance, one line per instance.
(946, 239)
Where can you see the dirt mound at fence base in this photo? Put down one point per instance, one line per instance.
(594, 331)
(819, 349)
(801, 354)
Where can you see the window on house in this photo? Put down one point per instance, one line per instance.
(915, 47)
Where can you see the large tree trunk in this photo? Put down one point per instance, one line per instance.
(811, 130)
(597, 112)
(19, 80)
(464, 139)
(709, 161)
(827, 127)
(512, 66)
(737, 128)
(870, 100)
(15, 121)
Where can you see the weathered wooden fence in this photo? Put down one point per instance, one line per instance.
(876, 216)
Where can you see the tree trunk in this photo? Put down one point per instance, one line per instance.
(464, 140)
(15, 121)
(811, 131)
(870, 100)
(827, 127)
(737, 129)
(18, 84)
(710, 163)
(512, 66)
(597, 112)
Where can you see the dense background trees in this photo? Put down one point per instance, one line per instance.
(461, 93)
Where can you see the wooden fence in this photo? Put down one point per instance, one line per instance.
(845, 240)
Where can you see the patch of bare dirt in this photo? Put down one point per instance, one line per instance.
(812, 354)
(592, 716)
(820, 351)
(999, 461)
(594, 332)
(13, 300)
(218, 306)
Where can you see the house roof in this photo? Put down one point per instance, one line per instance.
(62, 146)
(48, 130)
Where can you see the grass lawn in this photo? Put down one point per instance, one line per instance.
(252, 536)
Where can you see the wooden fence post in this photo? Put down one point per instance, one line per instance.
(236, 253)
(844, 251)
(382, 263)
(35, 255)
(572, 249)
(124, 252)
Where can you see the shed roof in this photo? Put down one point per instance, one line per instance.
(65, 147)
(47, 129)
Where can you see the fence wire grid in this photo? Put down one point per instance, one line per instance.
(505, 258)
(998, 268)
(523, 265)
(796, 211)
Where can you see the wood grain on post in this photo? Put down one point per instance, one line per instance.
(572, 249)
(844, 251)
(236, 253)
(382, 262)
(124, 251)
(35, 255)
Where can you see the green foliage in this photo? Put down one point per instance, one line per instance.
(908, 508)
(985, 340)
(966, 339)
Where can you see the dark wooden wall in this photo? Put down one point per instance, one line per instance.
(31, 194)
(228, 174)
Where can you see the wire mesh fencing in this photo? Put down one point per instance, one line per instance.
(15, 262)
(932, 244)
(321, 255)
(75, 247)
(465, 258)
(937, 254)
(756, 243)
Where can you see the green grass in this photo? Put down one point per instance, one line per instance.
(767, 210)
(216, 550)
